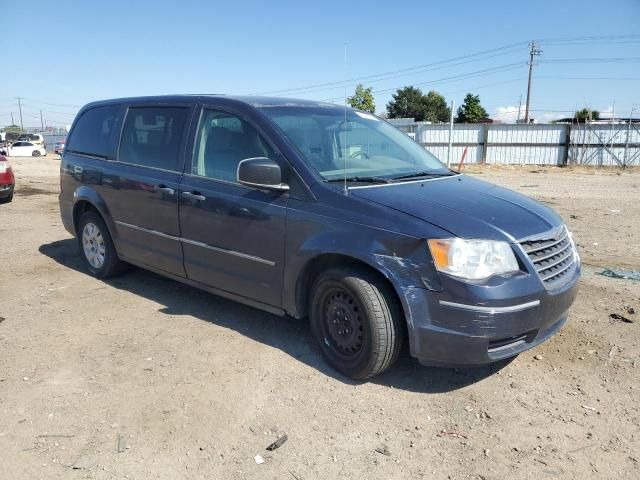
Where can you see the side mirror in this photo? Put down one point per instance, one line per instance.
(262, 173)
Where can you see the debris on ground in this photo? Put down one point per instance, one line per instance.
(622, 318)
(2, 319)
(278, 443)
(537, 357)
(444, 433)
(259, 460)
(83, 462)
(121, 443)
(621, 274)
(383, 450)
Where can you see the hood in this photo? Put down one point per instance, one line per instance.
(466, 207)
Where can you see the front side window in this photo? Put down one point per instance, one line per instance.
(222, 141)
(151, 136)
(95, 131)
(336, 142)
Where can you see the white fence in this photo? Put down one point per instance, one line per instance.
(535, 144)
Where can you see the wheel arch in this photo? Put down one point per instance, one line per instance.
(87, 199)
(319, 263)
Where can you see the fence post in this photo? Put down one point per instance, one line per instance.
(485, 142)
(567, 145)
(450, 136)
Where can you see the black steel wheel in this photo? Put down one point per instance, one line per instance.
(356, 320)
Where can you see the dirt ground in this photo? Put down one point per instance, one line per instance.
(142, 377)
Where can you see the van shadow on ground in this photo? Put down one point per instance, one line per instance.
(287, 334)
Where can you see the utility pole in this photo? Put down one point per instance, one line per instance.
(20, 109)
(12, 123)
(535, 51)
(41, 121)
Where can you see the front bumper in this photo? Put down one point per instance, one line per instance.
(468, 324)
(6, 190)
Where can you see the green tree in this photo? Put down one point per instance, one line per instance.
(362, 99)
(407, 102)
(410, 102)
(587, 114)
(471, 111)
(12, 129)
(435, 108)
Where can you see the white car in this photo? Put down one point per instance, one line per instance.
(26, 149)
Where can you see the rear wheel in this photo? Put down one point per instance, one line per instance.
(356, 320)
(97, 248)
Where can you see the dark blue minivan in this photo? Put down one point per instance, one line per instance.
(314, 210)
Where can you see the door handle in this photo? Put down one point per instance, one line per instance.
(194, 196)
(164, 189)
(77, 169)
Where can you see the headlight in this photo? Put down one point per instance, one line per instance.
(576, 255)
(472, 259)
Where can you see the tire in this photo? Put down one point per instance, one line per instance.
(7, 199)
(36, 153)
(103, 261)
(356, 320)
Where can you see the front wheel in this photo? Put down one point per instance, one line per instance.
(97, 248)
(356, 320)
(36, 153)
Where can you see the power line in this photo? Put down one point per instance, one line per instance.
(464, 76)
(478, 87)
(416, 69)
(52, 104)
(592, 60)
(589, 78)
(588, 38)
(408, 70)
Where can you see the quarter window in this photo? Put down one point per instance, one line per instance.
(95, 131)
(151, 136)
(222, 141)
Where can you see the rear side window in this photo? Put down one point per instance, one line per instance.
(95, 132)
(151, 136)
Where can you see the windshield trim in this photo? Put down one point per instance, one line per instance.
(374, 185)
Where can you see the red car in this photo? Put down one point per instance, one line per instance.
(7, 180)
(59, 147)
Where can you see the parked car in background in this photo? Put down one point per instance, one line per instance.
(3, 147)
(59, 147)
(26, 149)
(314, 210)
(34, 138)
(7, 180)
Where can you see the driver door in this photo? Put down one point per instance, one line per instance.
(232, 235)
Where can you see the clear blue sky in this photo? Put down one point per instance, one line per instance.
(61, 54)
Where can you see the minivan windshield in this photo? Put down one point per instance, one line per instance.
(341, 142)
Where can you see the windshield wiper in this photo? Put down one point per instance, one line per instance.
(362, 179)
(424, 174)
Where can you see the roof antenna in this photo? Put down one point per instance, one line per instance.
(346, 190)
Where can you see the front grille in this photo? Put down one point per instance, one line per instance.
(552, 256)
